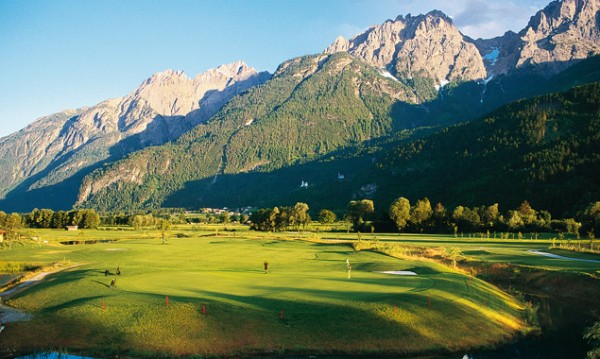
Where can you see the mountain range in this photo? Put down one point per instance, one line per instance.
(337, 121)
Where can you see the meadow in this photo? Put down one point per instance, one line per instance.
(205, 293)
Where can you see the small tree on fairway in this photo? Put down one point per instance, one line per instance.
(326, 216)
(163, 226)
(357, 210)
(515, 222)
(90, 219)
(453, 254)
(421, 213)
(489, 216)
(137, 222)
(224, 217)
(300, 214)
(400, 212)
(12, 223)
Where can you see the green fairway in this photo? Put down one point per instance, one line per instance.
(222, 303)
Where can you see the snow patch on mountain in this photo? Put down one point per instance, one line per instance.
(385, 73)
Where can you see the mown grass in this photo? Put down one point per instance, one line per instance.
(439, 310)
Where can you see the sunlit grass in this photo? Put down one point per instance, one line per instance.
(439, 310)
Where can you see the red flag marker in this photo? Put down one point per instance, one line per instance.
(167, 300)
(204, 309)
(281, 315)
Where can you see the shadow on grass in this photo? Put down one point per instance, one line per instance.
(235, 324)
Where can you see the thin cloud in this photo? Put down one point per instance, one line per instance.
(348, 31)
(486, 19)
(475, 18)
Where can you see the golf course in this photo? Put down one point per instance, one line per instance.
(218, 291)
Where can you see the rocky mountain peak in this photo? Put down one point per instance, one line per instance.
(559, 35)
(560, 14)
(341, 44)
(235, 70)
(556, 37)
(166, 76)
(440, 15)
(427, 46)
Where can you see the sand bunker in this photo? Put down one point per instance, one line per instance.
(398, 272)
(556, 256)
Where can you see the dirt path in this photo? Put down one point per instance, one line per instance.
(9, 314)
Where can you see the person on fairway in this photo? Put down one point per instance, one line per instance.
(348, 268)
(266, 266)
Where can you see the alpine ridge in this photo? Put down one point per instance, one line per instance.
(555, 38)
(431, 46)
(427, 46)
(161, 109)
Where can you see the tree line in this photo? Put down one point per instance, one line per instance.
(47, 218)
(422, 217)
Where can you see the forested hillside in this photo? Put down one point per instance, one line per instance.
(545, 150)
(347, 125)
(312, 106)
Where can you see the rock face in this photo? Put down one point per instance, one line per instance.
(556, 37)
(428, 46)
(165, 106)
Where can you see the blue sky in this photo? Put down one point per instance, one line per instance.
(60, 54)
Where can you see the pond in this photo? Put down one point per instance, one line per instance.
(562, 334)
(53, 355)
(91, 241)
